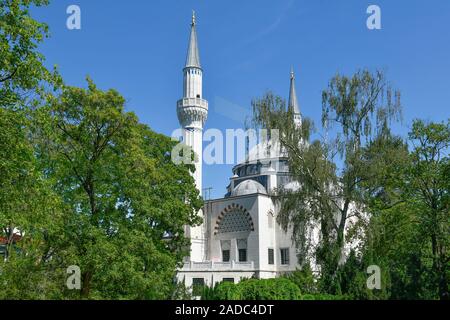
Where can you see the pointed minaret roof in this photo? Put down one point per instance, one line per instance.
(193, 58)
(293, 103)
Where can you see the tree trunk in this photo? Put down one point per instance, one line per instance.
(86, 286)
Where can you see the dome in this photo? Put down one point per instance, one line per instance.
(248, 187)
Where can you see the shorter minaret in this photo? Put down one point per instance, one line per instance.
(293, 102)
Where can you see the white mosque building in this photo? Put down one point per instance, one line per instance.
(239, 237)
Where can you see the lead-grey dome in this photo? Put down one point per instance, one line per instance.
(248, 187)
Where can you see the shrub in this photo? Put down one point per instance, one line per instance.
(222, 291)
(323, 296)
(254, 289)
(305, 279)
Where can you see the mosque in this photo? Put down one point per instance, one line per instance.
(239, 237)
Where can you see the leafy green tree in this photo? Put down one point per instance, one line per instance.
(409, 207)
(23, 76)
(30, 213)
(428, 189)
(332, 173)
(30, 210)
(129, 202)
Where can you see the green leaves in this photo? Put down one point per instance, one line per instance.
(254, 289)
(24, 80)
(125, 194)
(82, 182)
(362, 105)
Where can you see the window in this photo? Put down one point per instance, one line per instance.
(242, 255)
(197, 286)
(242, 249)
(228, 280)
(226, 255)
(234, 221)
(284, 254)
(226, 247)
(271, 256)
(198, 96)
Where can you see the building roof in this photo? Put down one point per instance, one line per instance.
(193, 57)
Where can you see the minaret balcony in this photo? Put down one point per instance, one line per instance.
(193, 102)
(192, 112)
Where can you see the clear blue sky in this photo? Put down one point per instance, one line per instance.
(247, 47)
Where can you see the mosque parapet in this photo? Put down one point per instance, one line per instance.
(218, 266)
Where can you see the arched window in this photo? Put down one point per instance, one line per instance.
(234, 218)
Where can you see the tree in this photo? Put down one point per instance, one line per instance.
(408, 231)
(305, 279)
(331, 174)
(129, 203)
(428, 189)
(23, 76)
(30, 210)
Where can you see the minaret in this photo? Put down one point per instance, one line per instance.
(293, 102)
(192, 111)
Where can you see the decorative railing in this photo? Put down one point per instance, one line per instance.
(192, 102)
(217, 266)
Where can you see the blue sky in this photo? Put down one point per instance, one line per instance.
(247, 47)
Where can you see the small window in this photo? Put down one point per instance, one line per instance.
(226, 255)
(228, 280)
(242, 255)
(271, 256)
(197, 286)
(284, 254)
(198, 96)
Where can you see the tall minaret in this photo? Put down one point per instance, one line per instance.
(293, 102)
(192, 111)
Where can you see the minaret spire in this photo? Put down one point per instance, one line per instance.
(193, 57)
(293, 102)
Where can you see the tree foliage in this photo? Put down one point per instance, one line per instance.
(254, 289)
(82, 183)
(332, 172)
(24, 79)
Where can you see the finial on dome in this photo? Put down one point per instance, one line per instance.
(292, 72)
